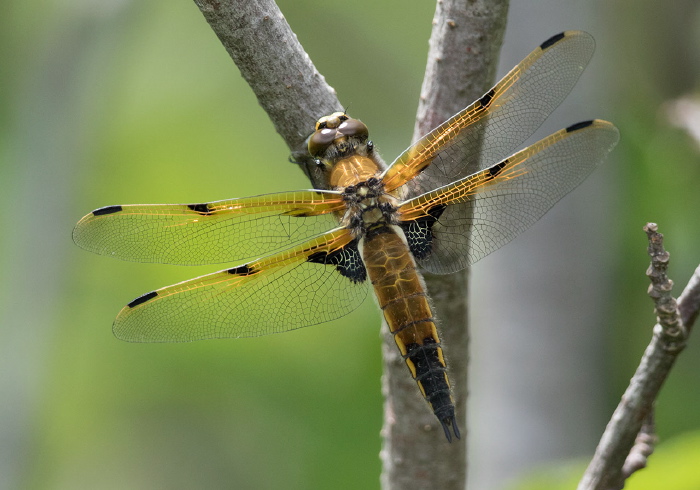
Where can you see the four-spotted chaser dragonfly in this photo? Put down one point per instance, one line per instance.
(453, 197)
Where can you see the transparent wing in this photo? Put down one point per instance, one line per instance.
(208, 233)
(315, 282)
(458, 224)
(494, 126)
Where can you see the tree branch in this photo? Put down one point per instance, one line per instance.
(464, 48)
(273, 62)
(617, 456)
(462, 61)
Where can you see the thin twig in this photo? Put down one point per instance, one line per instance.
(689, 301)
(613, 461)
(660, 288)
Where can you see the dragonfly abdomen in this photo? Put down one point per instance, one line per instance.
(402, 296)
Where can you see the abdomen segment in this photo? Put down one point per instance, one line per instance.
(402, 297)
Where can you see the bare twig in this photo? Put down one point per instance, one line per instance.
(615, 459)
(462, 61)
(689, 301)
(666, 309)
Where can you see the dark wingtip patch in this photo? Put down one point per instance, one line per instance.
(143, 298)
(202, 208)
(106, 210)
(552, 40)
(242, 270)
(577, 126)
(486, 99)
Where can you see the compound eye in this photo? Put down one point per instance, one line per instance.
(321, 140)
(354, 127)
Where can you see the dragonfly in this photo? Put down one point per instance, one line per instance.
(311, 256)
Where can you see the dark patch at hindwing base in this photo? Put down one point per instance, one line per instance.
(347, 261)
(419, 233)
(430, 373)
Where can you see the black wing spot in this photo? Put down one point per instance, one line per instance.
(486, 99)
(497, 169)
(202, 208)
(143, 298)
(242, 270)
(552, 41)
(106, 210)
(424, 165)
(347, 261)
(419, 232)
(577, 126)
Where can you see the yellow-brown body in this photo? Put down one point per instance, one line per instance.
(457, 194)
(351, 170)
(371, 214)
(402, 296)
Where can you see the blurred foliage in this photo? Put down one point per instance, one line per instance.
(673, 465)
(124, 102)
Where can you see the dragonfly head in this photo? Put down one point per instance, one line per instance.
(337, 136)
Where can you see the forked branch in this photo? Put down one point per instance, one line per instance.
(629, 437)
(464, 50)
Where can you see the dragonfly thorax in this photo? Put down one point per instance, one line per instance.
(368, 206)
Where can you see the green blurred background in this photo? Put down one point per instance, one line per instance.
(114, 102)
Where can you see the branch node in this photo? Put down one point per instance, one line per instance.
(629, 438)
(672, 334)
(643, 448)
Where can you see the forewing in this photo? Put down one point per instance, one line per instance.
(494, 126)
(318, 281)
(208, 233)
(458, 224)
